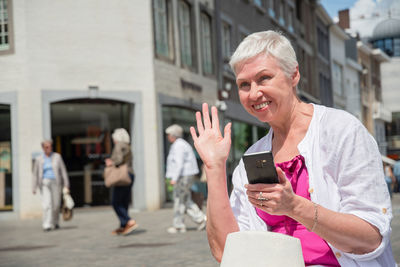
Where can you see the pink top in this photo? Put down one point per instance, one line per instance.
(315, 250)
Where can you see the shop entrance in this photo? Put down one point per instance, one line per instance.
(81, 132)
(6, 198)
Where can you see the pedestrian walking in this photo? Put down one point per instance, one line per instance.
(389, 177)
(50, 176)
(121, 195)
(181, 170)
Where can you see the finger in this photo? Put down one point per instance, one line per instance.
(200, 127)
(227, 131)
(214, 118)
(261, 187)
(193, 133)
(206, 117)
(281, 175)
(258, 203)
(258, 195)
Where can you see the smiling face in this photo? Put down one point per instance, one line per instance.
(264, 89)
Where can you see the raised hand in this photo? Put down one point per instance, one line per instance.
(212, 147)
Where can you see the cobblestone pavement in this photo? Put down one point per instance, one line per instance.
(86, 241)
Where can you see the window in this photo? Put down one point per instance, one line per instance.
(379, 44)
(206, 44)
(389, 47)
(163, 28)
(260, 3)
(323, 42)
(396, 47)
(299, 10)
(282, 13)
(5, 27)
(290, 20)
(185, 34)
(337, 79)
(226, 40)
(271, 9)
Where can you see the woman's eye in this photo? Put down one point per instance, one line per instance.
(264, 78)
(244, 85)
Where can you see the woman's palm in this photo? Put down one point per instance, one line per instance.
(212, 147)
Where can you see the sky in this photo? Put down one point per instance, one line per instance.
(364, 14)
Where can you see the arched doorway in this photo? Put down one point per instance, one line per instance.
(81, 131)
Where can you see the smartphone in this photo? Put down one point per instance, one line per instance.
(260, 168)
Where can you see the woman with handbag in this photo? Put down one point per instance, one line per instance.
(121, 195)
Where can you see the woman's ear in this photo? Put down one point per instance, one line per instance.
(296, 77)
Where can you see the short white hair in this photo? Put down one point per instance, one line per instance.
(46, 141)
(174, 130)
(270, 43)
(121, 135)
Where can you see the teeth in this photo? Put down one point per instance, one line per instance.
(260, 106)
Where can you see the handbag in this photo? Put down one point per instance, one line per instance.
(68, 205)
(117, 176)
(66, 213)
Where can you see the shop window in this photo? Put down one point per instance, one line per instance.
(243, 136)
(181, 116)
(206, 44)
(6, 197)
(163, 28)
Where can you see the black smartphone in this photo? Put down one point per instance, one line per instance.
(260, 168)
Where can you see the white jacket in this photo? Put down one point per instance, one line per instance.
(345, 175)
(181, 160)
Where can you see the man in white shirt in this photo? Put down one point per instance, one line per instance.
(182, 169)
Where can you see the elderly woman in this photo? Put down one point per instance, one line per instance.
(121, 195)
(331, 192)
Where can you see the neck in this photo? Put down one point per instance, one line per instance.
(294, 124)
(290, 119)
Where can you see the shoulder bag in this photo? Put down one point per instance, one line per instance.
(117, 176)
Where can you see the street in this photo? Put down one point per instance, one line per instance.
(86, 241)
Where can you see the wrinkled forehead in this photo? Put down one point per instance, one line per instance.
(263, 58)
(255, 65)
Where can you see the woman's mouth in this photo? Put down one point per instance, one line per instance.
(262, 105)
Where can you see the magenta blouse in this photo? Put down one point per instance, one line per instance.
(315, 250)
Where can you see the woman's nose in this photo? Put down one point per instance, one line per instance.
(255, 93)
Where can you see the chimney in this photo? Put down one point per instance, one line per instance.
(344, 19)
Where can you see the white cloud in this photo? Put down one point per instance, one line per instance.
(366, 14)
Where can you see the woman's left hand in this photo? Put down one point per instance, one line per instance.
(275, 199)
